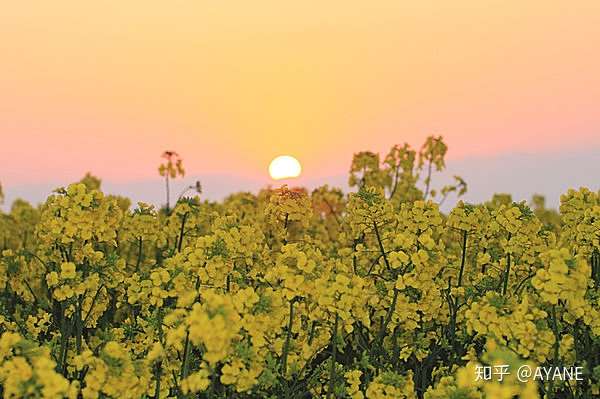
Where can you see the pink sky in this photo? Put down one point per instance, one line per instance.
(107, 86)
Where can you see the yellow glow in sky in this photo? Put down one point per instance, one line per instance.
(107, 86)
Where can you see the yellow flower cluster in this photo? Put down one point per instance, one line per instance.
(390, 385)
(111, 374)
(580, 210)
(504, 383)
(353, 382)
(565, 277)
(29, 371)
(517, 325)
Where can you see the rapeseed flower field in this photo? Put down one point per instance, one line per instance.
(288, 293)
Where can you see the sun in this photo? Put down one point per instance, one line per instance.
(284, 167)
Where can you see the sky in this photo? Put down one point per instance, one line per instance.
(107, 86)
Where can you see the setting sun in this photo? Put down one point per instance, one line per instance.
(284, 167)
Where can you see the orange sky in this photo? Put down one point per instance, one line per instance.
(107, 86)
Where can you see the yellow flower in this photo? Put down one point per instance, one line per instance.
(52, 279)
(67, 270)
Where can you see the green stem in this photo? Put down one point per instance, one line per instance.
(167, 184)
(158, 370)
(396, 349)
(596, 266)
(507, 271)
(187, 347)
(186, 356)
(311, 334)
(157, 376)
(332, 377)
(285, 226)
(181, 232)
(556, 344)
(140, 253)
(286, 346)
(428, 180)
(85, 319)
(65, 333)
(556, 335)
(396, 175)
(380, 242)
(388, 316)
(78, 326)
(463, 259)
